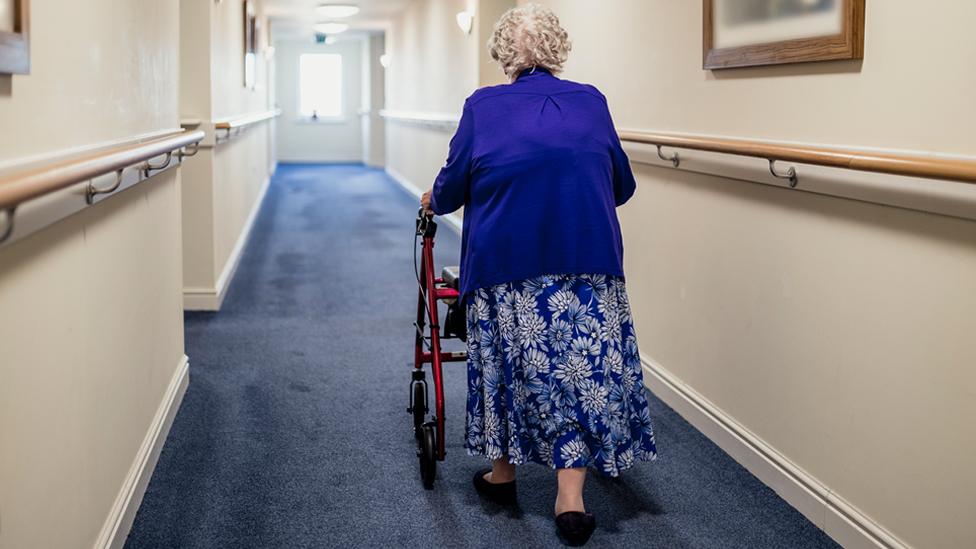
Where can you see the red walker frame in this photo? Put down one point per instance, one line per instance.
(432, 290)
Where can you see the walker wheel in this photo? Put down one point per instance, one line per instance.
(427, 453)
(419, 407)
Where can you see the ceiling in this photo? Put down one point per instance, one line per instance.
(293, 19)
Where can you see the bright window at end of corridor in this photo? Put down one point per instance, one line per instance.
(320, 85)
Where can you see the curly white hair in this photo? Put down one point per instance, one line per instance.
(529, 36)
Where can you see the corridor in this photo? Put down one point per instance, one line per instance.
(715, 284)
(294, 429)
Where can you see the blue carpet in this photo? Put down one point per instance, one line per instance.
(294, 432)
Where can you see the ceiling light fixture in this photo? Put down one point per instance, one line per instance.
(331, 28)
(338, 11)
(465, 20)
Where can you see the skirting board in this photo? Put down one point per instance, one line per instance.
(840, 520)
(210, 299)
(454, 220)
(320, 160)
(119, 522)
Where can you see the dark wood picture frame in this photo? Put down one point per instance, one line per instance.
(847, 45)
(15, 46)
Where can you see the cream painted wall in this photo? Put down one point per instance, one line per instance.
(434, 68)
(241, 165)
(433, 64)
(836, 331)
(200, 269)
(239, 181)
(430, 71)
(487, 14)
(224, 182)
(327, 141)
(907, 94)
(105, 79)
(374, 101)
(415, 154)
(91, 326)
(195, 69)
(229, 96)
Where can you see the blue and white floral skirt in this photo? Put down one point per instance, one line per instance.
(554, 375)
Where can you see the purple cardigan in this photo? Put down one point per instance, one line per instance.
(539, 169)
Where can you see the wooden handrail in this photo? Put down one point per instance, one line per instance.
(437, 121)
(423, 117)
(912, 165)
(21, 187)
(246, 120)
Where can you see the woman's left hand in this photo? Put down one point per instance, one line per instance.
(425, 202)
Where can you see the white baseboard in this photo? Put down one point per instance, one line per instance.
(116, 528)
(454, 220)
(843, 522)
(210, 299)
(201, 299)
(337, 161)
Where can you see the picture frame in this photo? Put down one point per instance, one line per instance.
(14, 36)
(250, 44)
(732, 34)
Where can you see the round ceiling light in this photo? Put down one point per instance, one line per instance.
(338, 11)
(331, 28)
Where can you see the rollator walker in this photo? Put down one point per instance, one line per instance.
(427, 348)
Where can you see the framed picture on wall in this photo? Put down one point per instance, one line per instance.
(749, 33)
(14, 36)
(250, 44)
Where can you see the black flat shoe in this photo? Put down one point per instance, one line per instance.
(575, 528)
(502, 493)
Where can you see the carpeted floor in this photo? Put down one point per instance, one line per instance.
(294, 432)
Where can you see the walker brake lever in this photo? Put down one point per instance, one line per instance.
(425, 224)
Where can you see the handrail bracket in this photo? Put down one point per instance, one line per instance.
(149, 167)
(187, 152)
(8, 229)
(94, 191)
(790, 174)
(675, 159)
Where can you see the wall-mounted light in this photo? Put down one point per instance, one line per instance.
(331, 28)
(337, 11)
(465, 20)
(385, 60)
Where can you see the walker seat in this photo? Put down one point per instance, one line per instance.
(452, 277)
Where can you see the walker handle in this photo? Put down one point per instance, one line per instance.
(425, 223)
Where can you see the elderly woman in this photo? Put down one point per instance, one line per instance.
(554, 374)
